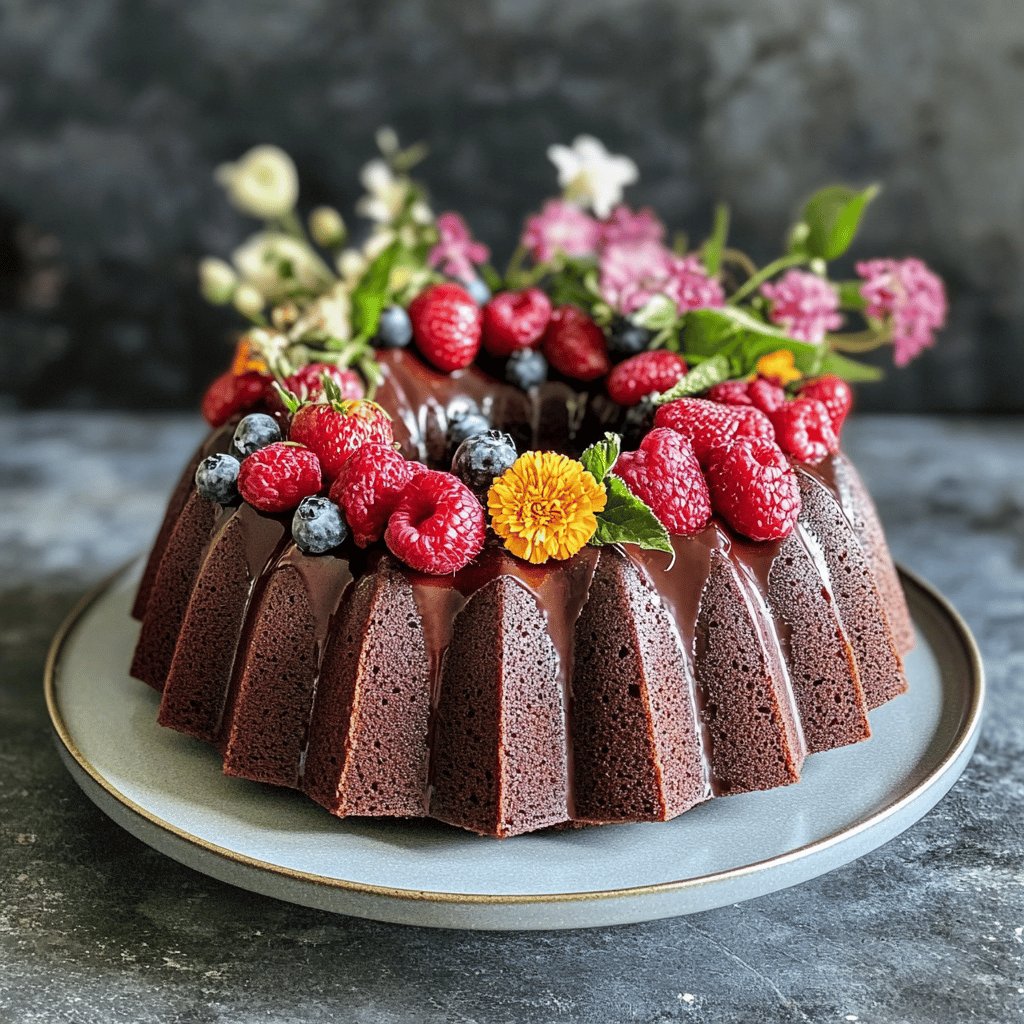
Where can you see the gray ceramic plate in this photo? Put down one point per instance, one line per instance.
(169, 792)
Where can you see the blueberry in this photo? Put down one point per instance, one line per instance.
(526, 369)
(627, 339)
(217, 478)
(478, 291)
(254, 432)
(478, 460)
(317, 526)
(465, 424)
(394, 329)
(638, 421)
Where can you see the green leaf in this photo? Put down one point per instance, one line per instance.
(738, 334)
(658, 313)
(849, 369)
(850, 296)
(599, 458)
(711, 371)
(832, 216)
(627, 520)
(711, 250)
(370, 296)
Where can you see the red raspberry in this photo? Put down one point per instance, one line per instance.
(575, 346)
(665, 474)
(368, 487)
(232, 393)
(446, 323)
(804, 431)
(708, 424)
(766, 395)
(307, 384)
(835, 393)
(334, 430)
(753, 488)
(278, 477)
(438, 525)
(644, 374)
(514, 320)
(730, 392)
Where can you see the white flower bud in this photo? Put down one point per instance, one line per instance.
(351, 264)
(327, 227)
(249, 301)
(217, 280)
(263, 183)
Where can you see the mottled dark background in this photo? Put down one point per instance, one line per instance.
(114, 113)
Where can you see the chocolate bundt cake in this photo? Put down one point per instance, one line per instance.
(620, 684)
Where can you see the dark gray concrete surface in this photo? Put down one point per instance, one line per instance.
(114, 113)
(95, 927)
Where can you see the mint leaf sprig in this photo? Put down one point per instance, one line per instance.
(625, 518)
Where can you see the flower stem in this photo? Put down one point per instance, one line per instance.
(859, 341)
(767, 271)
(515, 263)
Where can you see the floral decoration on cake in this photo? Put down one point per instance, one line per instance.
(715, 374)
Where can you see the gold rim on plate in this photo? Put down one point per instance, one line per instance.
(966, 735)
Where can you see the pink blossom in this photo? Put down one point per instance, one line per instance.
(626, 225)
(910, 296)
(456, 252)
(632, 273)
(804, 305)
(560, 227)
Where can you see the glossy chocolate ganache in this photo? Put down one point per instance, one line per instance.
(618, 685)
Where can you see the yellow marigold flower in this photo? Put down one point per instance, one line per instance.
(248, 358)
(545, 506)
(779, 365)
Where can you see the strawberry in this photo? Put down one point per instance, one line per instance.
(836, 395)
(645, 374)
(307, 384)
(231, 394)
(575, 346)
(278, 477)
(515, 320)
(664, 473)
(335, 429)
(753, 488)
(446, 324)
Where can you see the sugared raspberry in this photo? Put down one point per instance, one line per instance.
(665, 474)
(368, 487)
(575, 346)
(645, 374)
(753, 488)
(803, 430)
(438, 525)
(708, 424)
(515, 320)
(766, 395)
(730, 392)
(446, 324)
(334, 430)
(231, 394)
(835, 393)
(278, 477)
(307, 383)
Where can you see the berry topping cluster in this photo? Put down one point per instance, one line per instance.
(715, 374)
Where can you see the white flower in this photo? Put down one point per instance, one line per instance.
(386, 193)
(276, 264)
(330, 315)
(217, 280)
(263, 183)
(351, 264)
(249, 301)
(590, 175)
(271, 347)
(327, 227)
